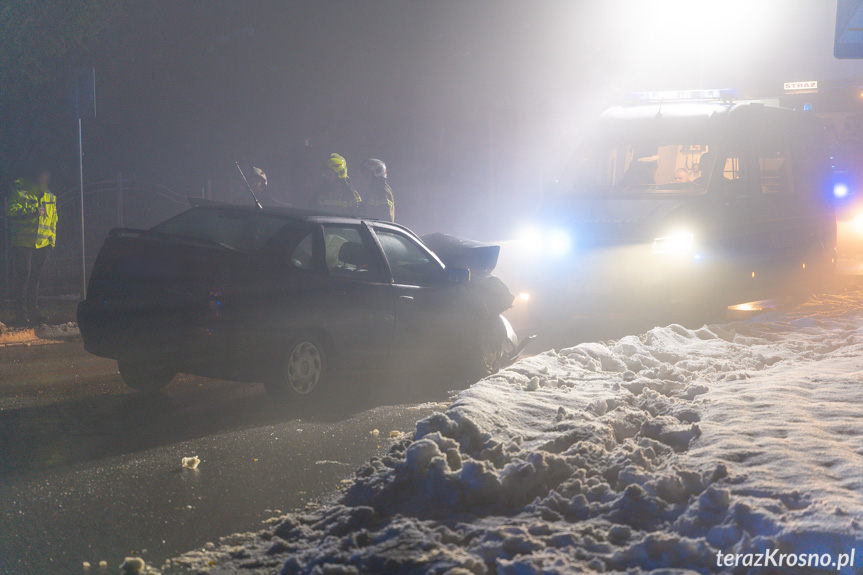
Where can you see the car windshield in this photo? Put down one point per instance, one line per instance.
(647, 168)
(234, 229)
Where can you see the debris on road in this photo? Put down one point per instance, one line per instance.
(191, 462)
(132, 565)
(374, 432)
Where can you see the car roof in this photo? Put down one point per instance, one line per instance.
(313, 216)
(716, 120)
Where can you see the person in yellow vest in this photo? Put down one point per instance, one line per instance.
(31, 210)
(337, 194)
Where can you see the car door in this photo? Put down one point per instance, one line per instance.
(433, 316)
(357, 307)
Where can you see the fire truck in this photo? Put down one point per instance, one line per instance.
(686, 203)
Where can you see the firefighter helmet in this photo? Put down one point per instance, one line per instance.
(377, 168)
(337, 164)
(259, 173)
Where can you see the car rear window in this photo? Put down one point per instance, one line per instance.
(235, 229)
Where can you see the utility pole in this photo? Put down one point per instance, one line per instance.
(85, 92)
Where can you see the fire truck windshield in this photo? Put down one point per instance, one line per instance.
(649, 168)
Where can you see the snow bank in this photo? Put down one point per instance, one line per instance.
(39, 335)
(649, 453)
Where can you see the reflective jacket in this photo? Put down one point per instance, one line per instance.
(378, 201)
(27, 228)
(340, 198)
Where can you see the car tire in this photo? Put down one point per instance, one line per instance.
(303, 371)
(145, 374)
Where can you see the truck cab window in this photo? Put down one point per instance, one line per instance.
(654, 167)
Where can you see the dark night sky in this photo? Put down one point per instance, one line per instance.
(471, 103)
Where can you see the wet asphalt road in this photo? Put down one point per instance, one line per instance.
(91, 471)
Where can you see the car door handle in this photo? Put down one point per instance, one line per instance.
(407, 297)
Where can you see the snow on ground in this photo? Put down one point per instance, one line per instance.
(38, 335)
(653, 452)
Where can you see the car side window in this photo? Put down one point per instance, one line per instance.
(409, 263)
(348, 254)
(301, 257)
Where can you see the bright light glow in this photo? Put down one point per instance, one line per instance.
(530, 240)
(760, 305)
(558, 243)
(524, 296)
(676, 243)
(554, 243)
(840, 190)
(857, 224)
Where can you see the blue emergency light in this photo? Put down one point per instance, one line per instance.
(722, 94)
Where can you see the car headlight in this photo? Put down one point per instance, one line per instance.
(675, 243)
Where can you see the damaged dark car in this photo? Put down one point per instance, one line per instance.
(290, 299)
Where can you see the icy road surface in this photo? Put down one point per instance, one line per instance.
(650, 452)
(92, 471)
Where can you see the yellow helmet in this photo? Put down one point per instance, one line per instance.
(337, 164)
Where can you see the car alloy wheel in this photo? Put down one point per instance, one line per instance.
(305, 367)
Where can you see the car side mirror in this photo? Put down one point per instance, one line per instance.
(457, 275)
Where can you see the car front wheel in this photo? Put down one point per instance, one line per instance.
(488, 354)
(145, 374)
(303, 370)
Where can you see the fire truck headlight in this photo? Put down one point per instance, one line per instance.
(558, 243)
(676, 243)
(547, 243)
(530, 240)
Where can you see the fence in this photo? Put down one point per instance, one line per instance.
(107, 205)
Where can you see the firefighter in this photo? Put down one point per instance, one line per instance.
(336, 194)
(259, 183)
(376, 192)
(31, 210)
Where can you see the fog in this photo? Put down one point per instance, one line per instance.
(475, 106)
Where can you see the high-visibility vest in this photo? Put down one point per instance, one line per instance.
(27, 228)
(342, 198)
(378, 202)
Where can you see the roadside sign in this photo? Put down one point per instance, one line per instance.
(800, 86)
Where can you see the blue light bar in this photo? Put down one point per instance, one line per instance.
(683, 95)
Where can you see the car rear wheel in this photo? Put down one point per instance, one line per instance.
(303, 371)
(145, 374)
